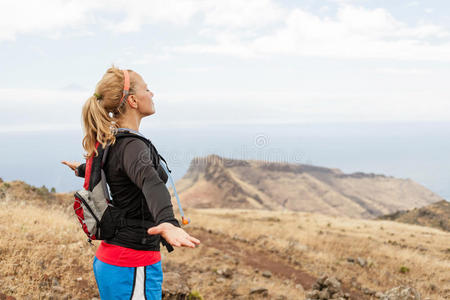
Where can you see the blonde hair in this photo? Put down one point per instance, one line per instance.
(102, 110)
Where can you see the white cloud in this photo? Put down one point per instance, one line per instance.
(67, 96)
(413, 3)
(60, 110)
(147, 58)
(217, 14)
(258, 29)
(136, 13)
(225, 44)
(238, 14)
(254, 28)
(40, 127)
(51, 18)
(48, 17)
(355, 32)
(404, 71)
(276, 106)
(41, 109)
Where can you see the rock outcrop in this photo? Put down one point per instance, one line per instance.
(216, 182)
(327, 288)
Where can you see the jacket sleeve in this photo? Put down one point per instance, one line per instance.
(138, 165)
(80, 170)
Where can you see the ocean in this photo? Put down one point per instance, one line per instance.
(416, 150)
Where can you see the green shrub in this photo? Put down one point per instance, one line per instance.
(195, 295)
(404, 269)
(42, 191)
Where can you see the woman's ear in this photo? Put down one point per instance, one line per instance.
(132, 101)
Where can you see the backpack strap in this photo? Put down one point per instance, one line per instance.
(122, 134)
(103, 175)
(94, 164)
(162, 158)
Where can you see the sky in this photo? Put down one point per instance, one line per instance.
(222, 62)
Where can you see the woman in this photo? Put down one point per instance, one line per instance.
(128, 266)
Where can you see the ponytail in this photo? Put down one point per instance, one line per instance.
(101, 111)
(97, 126)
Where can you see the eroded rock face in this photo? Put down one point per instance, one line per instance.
(174, 287)
(217, 182)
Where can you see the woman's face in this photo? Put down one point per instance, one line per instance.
(144, 97)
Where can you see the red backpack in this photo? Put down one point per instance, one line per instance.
(93, 205)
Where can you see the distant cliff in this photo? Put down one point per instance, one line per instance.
(216, 182)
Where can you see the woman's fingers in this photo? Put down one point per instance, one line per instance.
(191, 240)
(72, 165)
(181, 242)
(187, 243)
(67, 164)
(154, 230)
(176, 244)
(175, 236)
(194, 240)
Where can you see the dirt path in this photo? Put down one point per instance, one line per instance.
(261, 259)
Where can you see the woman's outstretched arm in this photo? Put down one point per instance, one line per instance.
(138, 164)
(76, 166)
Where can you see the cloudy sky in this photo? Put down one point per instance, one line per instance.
(220, 62)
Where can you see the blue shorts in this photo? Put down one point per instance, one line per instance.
(123, 283)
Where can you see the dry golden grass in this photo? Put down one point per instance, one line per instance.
(43, 253)
(322, 244)
(40, 246)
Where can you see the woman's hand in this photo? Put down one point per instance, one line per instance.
(174, 235)
(73, 165)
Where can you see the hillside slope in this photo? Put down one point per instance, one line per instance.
(435, 215)
(216, 182)
(242, 253)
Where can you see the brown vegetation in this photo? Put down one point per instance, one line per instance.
(435, 215)
(245, 254)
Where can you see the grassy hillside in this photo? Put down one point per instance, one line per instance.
(44, 254)
(435, 215)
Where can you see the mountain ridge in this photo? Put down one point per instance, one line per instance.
(217, 182)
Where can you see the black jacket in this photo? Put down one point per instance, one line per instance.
(137, 186)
